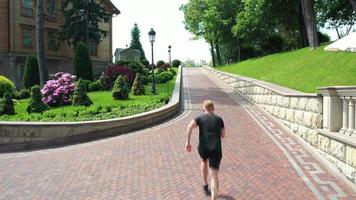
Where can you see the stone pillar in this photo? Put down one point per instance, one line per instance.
(345, 115)
(351, 116)
(332, 109)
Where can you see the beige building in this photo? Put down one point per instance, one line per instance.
(18, 39)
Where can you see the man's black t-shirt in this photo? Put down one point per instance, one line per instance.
(210, 127)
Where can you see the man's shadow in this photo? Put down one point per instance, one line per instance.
(225, 197)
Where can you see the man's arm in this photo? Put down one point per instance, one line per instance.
(191, 126)
(223, 133)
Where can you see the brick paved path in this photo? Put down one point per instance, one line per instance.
(261, 160)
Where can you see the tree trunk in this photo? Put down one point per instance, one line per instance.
(310, 22)
(353, 2)
(212, 52)
(303, 38)
(238, 50)
(42, 62)
(218, 55)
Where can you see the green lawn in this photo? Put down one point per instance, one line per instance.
(304, 70)
(105, 107)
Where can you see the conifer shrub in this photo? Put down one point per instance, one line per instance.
(80, 97)
(120, 89)
(6, 86)
(7, 105)
(82, 64)
(36, 104)
(31, 75)
(137, 87)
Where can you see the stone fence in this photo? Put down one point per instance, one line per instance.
(16, 136)
(302, 113)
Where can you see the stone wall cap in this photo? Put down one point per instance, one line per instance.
(284, 91)
(347, 139)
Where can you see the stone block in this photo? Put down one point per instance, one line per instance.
(294, 127)
(286, 102)
(337, 149)
(302, 132)
(282, 113)
(274, 100)
(307, 119)
(290, 115)
(324, 143)
(298, 117)
(302, 103)
(294, 102)
(312, 137)
(317, 121)
(315, 105)
(351, 155)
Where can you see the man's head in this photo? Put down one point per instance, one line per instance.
(208, 106)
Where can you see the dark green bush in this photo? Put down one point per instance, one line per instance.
(160, 70)
(160, 63)
(145, 80)
(82, 63)
(121, 89)
(137, 87)
(136, 66)
(95, 86)
(145, 63)
(86, 83)
(80, 97)
(176, 63)
(31, 75)
(172, 71)
(23, 94)
(7, 105)
(6, 86)
(164, 98)
(122, 62)
(36, 104)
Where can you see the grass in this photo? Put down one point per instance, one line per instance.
(105, 107)
(304, 69)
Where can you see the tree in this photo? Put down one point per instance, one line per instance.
(137, 87)
(36, 104)
(336, 14)
(353, 2)
(81, 22)
(310, 22)
(42, 62)
(82, 63)
(135, 41)
(80, 97)
(31, 74)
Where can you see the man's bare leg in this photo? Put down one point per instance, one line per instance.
(204, 171)
(214, 173)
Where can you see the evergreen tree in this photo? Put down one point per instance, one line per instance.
(31, 75)
(80, 97)
(82, 63)
(137, 87)
(121, 89)
(7, 105)
(36, 104)
(81, 21)
(135, 41)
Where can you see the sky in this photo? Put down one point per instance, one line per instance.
(166, 19)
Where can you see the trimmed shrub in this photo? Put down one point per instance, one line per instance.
(145, 63)
(120, 90)
(172, 71)
(95, 86)
(82, 63)
(176, 63)
(136, 66)
(31, 75)
(137, 87)
(160, 70)
(122, 62)
(160, 63)
(164, 77)
(36, 104)
(111, 73)
(6, 85)
(86, 83)
(7, 105)
(80, 97)
(23, 94)
(58, 92)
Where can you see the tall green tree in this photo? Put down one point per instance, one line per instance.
(82, 64)
(135, 41)
(81, 22)
(31, 75)
(310, 22)
(42, 62)
(336, 14)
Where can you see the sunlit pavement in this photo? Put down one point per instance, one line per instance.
(261, 160)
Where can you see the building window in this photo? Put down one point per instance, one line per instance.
(53, 43)
(27, 37)
(93, 49)
(27, 8)
(51, 9)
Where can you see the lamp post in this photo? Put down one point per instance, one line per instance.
(169, 53)
(152, 36)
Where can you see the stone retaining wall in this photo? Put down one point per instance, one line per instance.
(16, 136)
(300, 112)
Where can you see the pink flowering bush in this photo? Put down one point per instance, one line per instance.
(59, 91)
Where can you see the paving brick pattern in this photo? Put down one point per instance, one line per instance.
(261, 160)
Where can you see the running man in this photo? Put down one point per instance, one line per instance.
(211, 130)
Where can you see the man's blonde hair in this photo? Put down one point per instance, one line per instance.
(208, 105)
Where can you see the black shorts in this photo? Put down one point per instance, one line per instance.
(214, 157)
